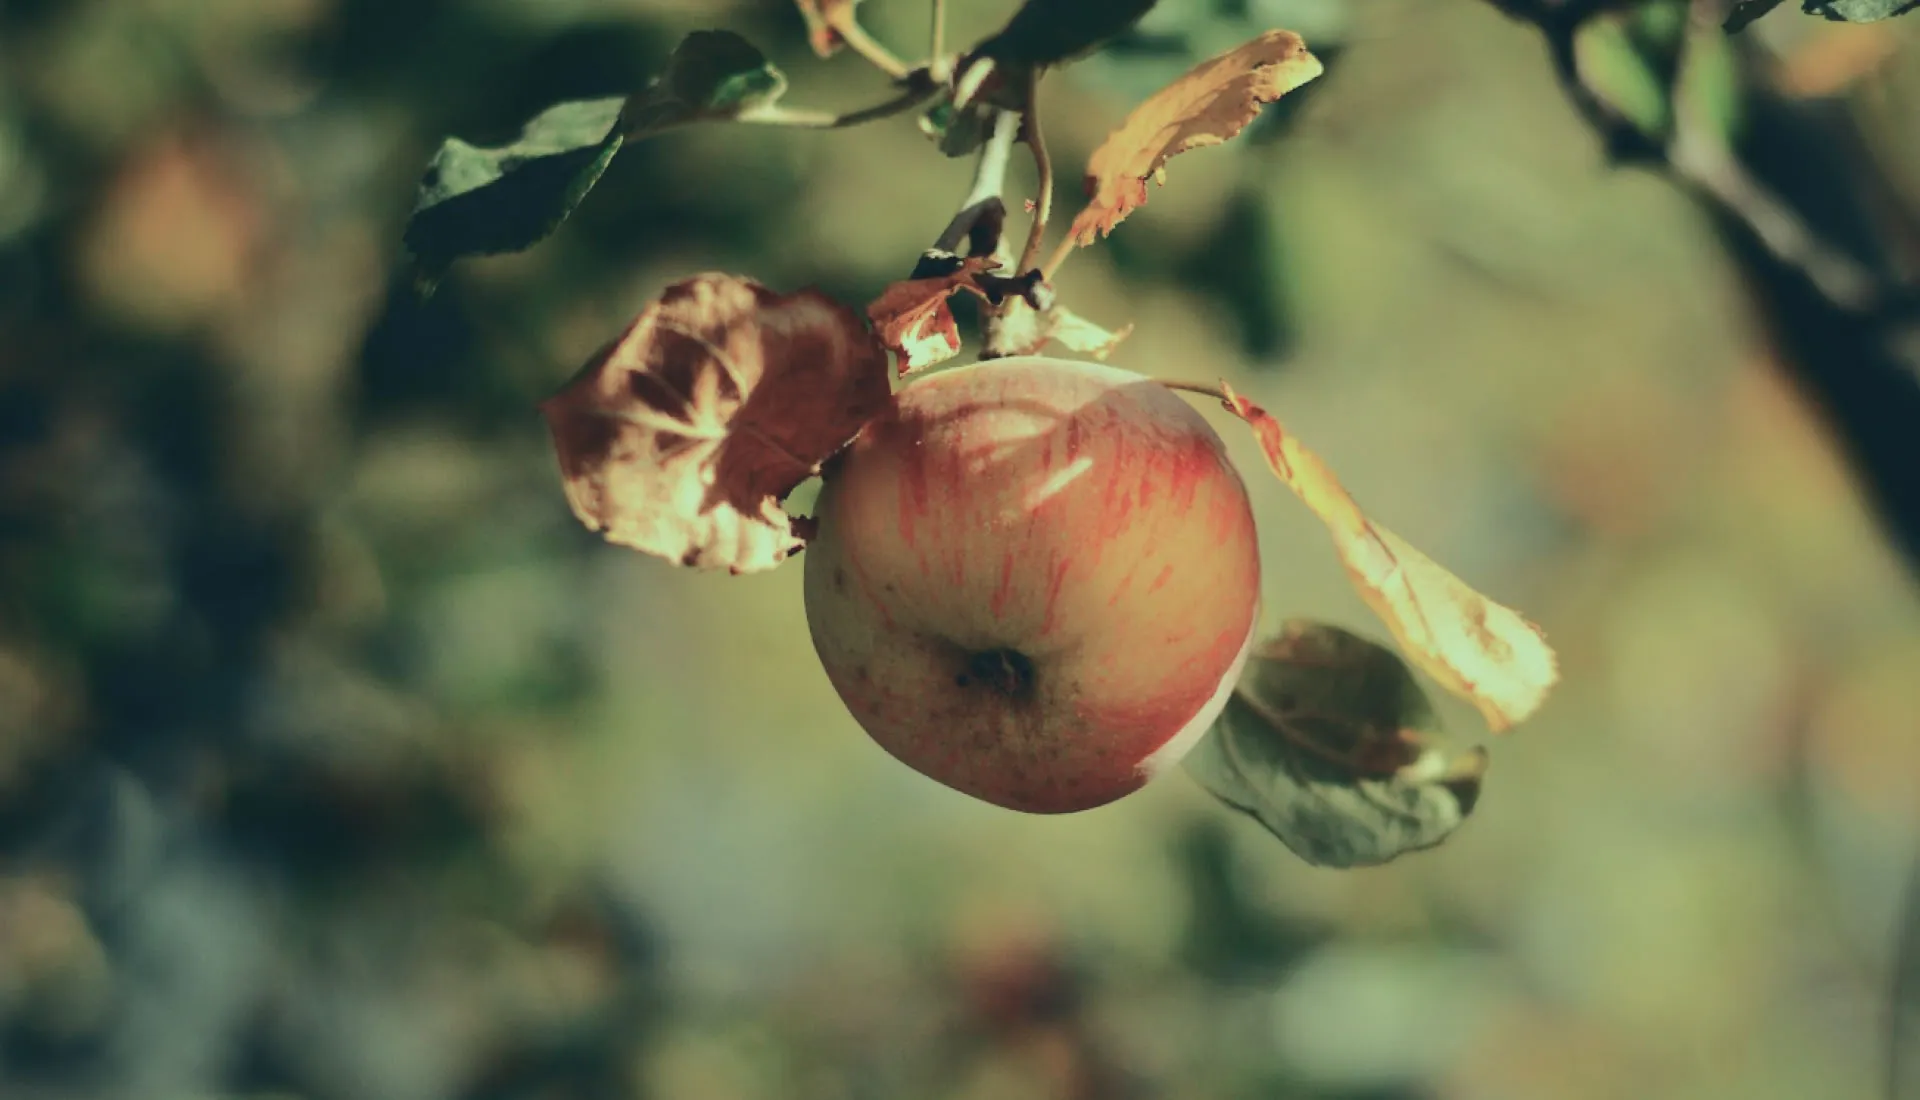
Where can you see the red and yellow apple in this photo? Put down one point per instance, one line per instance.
(1034, 580)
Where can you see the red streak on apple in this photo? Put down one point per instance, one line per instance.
(972, 587)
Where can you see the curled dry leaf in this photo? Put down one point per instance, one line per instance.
(1484, 652)
(913, 320)
(822, 16)
(1330, 743)
(1024, 330)
(680, 437)
(1212, 102)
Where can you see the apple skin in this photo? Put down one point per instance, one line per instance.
(1034, 580)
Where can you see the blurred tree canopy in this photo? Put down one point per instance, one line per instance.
(336, 761)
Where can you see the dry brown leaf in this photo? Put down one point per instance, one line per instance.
(1484, 652)
(1212, 102)
(822, 16)
(913, 320)
(680, 437)
(1024, 330)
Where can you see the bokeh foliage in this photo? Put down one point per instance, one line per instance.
(337, 762)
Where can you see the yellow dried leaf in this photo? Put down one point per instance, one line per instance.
(1211, 103)
(1479, 650)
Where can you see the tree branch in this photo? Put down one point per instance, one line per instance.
(1847, 330)
(919, 88)
(983, 213)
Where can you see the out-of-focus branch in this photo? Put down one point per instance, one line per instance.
(1846, 328)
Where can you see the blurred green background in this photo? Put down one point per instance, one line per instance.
(338, 761)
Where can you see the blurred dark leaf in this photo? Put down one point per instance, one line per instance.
(1746, 11)
(1858, 11)
(1045, 32)
(711, 75)
(959, 130)
(1326, 743)
(476, 201)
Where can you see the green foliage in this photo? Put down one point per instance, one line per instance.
(1045, 32)
(712, 75)
(1324, 743)
(477, 201)
(1641, 62)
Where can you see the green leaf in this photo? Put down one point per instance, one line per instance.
(1858, 11)
(1327, 742)
(1746, 11)
(712, 76)
(1613, 66)
(1046, 32)
(1709, 83)
(476, 201)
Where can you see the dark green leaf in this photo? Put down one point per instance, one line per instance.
(712, 75)
(475, 201)
(1044, 32)
(1858, 11)
(1746, 11)
(1328, 743)
(959, 130)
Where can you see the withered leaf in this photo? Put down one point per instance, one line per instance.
(1480, 650)
(912, 318)
(1211, 103)
(680, 437)
(821, 17)
(1330, 744)
(1024, 330)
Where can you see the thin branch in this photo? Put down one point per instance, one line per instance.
(938, 45)
(982, 212)
(916, 93)
(1043, 168)
(1060, 253)
(842, 20)
(1699, 155)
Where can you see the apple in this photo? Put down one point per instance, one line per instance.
(1034, 580)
